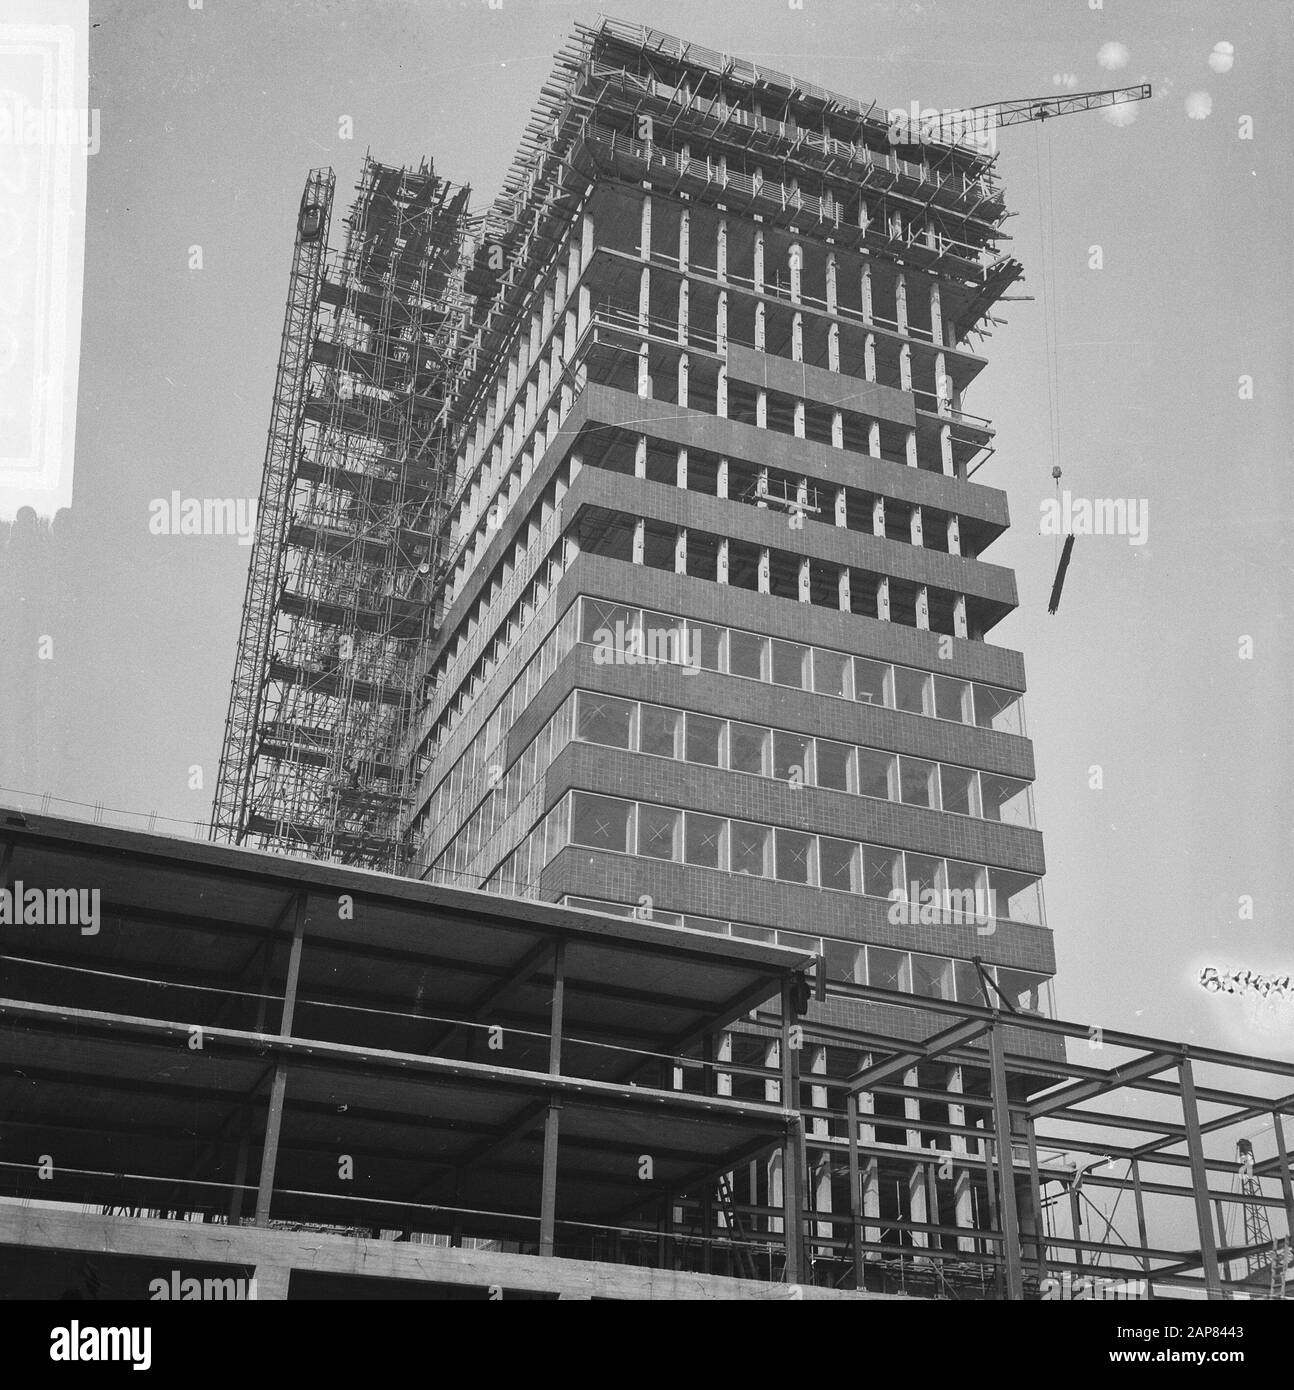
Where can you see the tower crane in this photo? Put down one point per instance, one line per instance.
(948, 126)
(952, 127)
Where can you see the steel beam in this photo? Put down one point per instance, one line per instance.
(956, 1036)
(1111, 1080)
(548, 1178)
(1005, 1167)
(1199, 1179)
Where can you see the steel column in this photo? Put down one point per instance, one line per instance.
(1006, 1167)
(1199, 1180)
(279, 1086)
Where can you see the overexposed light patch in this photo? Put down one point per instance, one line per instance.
(1199, 105)
(1223, 56)
(1064, 79)
(1113, 56)
(1124, 113)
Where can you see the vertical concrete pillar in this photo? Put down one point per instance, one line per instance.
(640, 541)
(832, 302)
(806, 581)
(721, 479)
(683, 370)
(821, 1128)
(680, 551)
(842, 507)
(795, 265)
(959, 616)
(954, 535)
(760, 318)
(721, 562)
(905, 367)
(946, 460)
(917, 1173)
(644, 372)
(869, 357)
(721, 322)
(864, 216)
(797, 337)
(587, 239)
(644, 299)
(270, 1282)
(680, 474)
(723, 1079)
(644, 234)
(584, 315)
(759, 260)
(573, 266)
(546, 314)
(833, 348)
(684, 239)
(640, 456)
(865, 289)
(721, 249)
(798, 419)
(838, 429)
(965, 1214)
(883, 599)
(916, 528)
(683, 321)
(910, 449)
(943, 386)
(901, 301)
(923, 607)
(761, 409)
(765, 571)
(936, 315)
(871, 1187)
(761, 486)
(842, 586)
(721, 394)
(878, 516)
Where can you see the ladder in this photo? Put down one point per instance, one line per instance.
(744, 1259)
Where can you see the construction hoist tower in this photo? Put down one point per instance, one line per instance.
(339, 589)
(1263, 1253)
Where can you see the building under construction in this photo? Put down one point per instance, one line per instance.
(622, 548)
(340, 590)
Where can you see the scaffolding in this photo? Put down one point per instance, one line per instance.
(343, 571)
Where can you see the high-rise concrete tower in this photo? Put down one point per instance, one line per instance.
(714, 633)
(713, 643)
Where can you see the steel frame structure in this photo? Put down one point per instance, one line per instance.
(1037, 1145)
(616, 1047)
(339, 596)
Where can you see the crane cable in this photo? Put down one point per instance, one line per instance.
(1047, 242)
